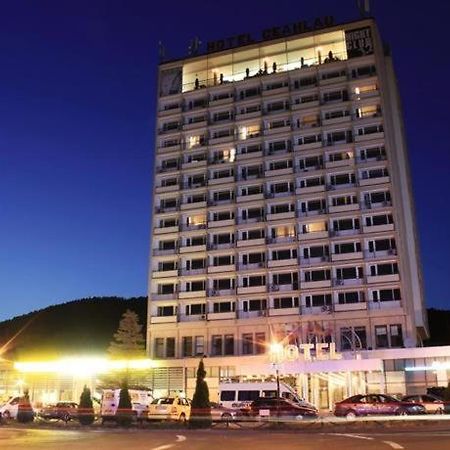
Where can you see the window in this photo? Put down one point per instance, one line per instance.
(229, 344)
(164, 311)
(170, 347)
(384, 269)
(187, 346)
(224, 260)
(315, 227)
(220, 307)
(199, 345)
(165, 289)
(158, 347)
(223, 284)
(227, 396)
(395, 332)
(353, 338)
(195, 309)
(394, 339)
(260, 343)
(248, 396)
(254, 305)
(381, 336)
(350, 297)
(247, 344)
(192, 286)
(253, 234)
(285, 302)
(317, 275)
(318, 300)
(386, 295)
(216, 345)
(349, 273)
(257, 280)
(286, 279)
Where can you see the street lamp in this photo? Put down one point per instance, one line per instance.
(276, 355)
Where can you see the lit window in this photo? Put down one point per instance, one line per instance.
(316, 227)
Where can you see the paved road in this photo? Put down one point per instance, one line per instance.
(31, 439)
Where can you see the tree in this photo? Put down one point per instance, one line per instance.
(86, 408)
(129, 342)
(124, 409)
(446, 393)
(200, 408)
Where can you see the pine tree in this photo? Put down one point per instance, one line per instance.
(200, 408)
(128, 341)
(86, 408)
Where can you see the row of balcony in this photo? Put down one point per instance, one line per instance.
(303, 212)
(272, 312)
(293, 262)
(231, 136)
(284, 288)
(297, 124)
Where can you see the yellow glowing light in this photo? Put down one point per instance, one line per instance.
(276, 348)
(82, 367)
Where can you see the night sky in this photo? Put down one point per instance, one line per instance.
(77, 102)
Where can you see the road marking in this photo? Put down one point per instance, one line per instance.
(393, 444)
(180, 438)
(164, 447)
(356, 436)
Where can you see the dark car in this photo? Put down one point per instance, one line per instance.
(281, 407)
(60, 411)
(432, 403)
(375, 404)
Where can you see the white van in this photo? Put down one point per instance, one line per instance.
(140, 401)
(241, 395)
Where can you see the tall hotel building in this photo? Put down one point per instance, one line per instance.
(283, 212)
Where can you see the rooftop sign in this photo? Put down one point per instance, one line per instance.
(270, 33)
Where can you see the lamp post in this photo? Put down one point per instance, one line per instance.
(276, 355)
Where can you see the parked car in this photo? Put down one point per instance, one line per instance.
(221, 413)
(375, 404)
(60, 411)
(170, 408)
(432, 403)
(10, 408)
(281, 407)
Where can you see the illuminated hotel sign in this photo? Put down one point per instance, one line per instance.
(270, 33)
(304, 352)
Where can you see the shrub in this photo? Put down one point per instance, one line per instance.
(85, 408)
(124, 412)
(200, 408)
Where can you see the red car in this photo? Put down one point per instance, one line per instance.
(375, 404)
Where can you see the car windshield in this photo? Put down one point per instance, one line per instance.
(163, 401)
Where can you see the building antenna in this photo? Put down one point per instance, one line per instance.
(194, 46)
(161, 51)
(363, 7)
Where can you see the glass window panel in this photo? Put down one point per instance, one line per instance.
(247, 59)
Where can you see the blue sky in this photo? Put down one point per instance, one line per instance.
(77, 102)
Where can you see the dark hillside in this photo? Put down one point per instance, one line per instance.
(84, 326)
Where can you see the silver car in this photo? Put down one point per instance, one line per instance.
(222, 414)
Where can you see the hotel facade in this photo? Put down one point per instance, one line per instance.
(283, 213)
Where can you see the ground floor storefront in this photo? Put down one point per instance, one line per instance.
(319, 375)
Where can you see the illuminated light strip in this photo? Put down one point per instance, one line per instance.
(436, 365)
(83, 366)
